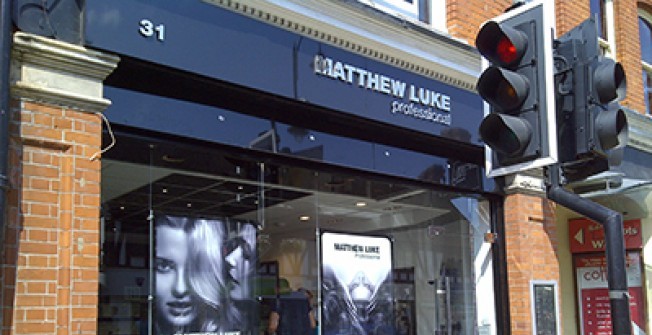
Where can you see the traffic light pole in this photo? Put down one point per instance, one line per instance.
(612, 222)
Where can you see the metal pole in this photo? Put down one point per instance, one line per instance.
(612, 222)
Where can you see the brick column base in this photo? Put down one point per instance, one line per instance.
(531, 245)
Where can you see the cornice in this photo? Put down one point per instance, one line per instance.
(60, 73)
(373, 34)
(640, 130)
(529, 182)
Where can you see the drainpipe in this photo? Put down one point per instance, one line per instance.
(6, 28)
(612, 222)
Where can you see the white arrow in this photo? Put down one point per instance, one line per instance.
(579, 237)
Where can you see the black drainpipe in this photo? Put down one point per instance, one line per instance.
(6, 29)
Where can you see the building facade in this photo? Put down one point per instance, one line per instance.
(180, 167)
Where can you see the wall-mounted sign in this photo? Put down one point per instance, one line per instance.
(588, 236)
(408, 99)
(249, 53)
(593, 294)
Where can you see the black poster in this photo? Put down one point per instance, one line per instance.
(203, 276)
(357, 295)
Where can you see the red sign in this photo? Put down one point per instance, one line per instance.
(588, 236)
(595, 313)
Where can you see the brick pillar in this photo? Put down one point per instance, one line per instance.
(531, 246)
(50, 267)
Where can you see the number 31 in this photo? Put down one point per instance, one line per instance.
(149, 29)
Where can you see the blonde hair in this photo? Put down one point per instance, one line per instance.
(206, 275)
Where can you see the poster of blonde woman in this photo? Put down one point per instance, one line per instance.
(357, 296)
(203, 271)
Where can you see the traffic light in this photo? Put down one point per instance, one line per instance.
(592, 124)
(517, 86)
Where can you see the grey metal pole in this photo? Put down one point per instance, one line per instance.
(612, 222)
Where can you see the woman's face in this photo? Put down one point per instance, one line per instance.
(237, 269)
(174, 300)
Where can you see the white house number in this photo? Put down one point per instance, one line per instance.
(149, 29)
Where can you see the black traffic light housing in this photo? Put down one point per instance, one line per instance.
(517, 86)
(592, 125)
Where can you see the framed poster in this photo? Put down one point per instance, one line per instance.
(593, 293)
(357, 291)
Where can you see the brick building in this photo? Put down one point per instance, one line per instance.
(305, 120)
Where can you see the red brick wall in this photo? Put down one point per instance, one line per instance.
(51, 256)
(464, 17)
(531, 245)
(569, 14)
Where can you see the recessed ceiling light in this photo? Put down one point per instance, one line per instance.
(165, 190)
(304, 218)
(188, 205)
(360, 204)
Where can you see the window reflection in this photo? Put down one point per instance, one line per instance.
(645, 39)
(246, 131)
(598, 11)
(645, 35)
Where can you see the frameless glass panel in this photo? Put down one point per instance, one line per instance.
(178, 248)
(424, 283)
(199, 239)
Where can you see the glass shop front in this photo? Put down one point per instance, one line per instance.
(234, 196)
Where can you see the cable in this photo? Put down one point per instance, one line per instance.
(108, 127)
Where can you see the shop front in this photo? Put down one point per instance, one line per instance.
(249, 162)
(375, 251)
(248, 169)
(203, 166)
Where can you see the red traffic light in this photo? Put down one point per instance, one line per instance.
(517, 85)
(503, 89)
(501, 44)
(506, 51)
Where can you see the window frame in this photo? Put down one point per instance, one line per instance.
(396, 7)
(431, 13)
(608, 42)
(645, 66)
